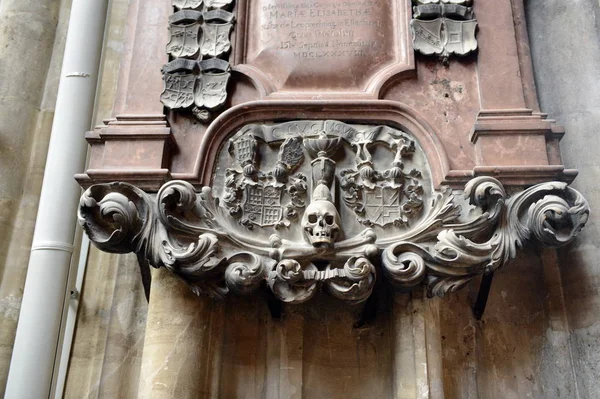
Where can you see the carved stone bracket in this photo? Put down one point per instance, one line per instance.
(260, 227)
(188, 233)
(196, 78)
(443, 27)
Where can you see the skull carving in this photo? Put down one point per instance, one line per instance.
(321, 220)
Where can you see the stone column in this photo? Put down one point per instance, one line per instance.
(505, 87)
(26, 37)
(36, 340)
(178, 353)
(565, 38)
(417, 361)
(27, 40)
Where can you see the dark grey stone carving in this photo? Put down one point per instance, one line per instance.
(184, 27)
(264, 221)
(443, 27)
(215, 33)
(199, 33)
(201, 85)
(180, 79)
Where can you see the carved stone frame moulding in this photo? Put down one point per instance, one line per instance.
(252, 56)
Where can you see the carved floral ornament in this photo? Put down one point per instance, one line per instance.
(305, 205)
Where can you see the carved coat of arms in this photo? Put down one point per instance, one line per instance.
(184, 27)
(443, 29)
(255, 196)
(196, 79)
(179, 79)
(180, 4)
(211, 86)
(304, 205)
(384, 197)
(215, 37)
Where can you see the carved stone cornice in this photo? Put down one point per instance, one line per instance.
(111, 145)
(307, 204)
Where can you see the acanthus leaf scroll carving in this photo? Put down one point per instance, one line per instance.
(208, 238)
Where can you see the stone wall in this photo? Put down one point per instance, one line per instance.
(565, 38)
(32, 39)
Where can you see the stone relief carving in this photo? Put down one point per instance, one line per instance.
(184, 27)
(196, 78)
(289, 208)
(443, 27)
(382, 198)
(254, 196)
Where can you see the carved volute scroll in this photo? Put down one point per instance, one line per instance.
(304, 205)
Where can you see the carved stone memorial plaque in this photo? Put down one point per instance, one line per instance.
(299, 145)
(306, 47)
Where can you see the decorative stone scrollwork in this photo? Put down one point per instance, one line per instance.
(232, 238)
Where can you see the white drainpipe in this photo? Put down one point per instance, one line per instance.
(36, 341)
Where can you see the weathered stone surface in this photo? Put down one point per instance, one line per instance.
(324, 48)
(31, 42)
(106, 355)
(564, 43)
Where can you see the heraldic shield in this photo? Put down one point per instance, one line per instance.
(451, 32)
(382, 205)
(180, 4)
(199, 43)
(178, 90)
(460, 36)
(217, 3)
(215, 39)
(184, 40)
(211, 89)
(262, 205)
(184, 27)
(428, 36)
